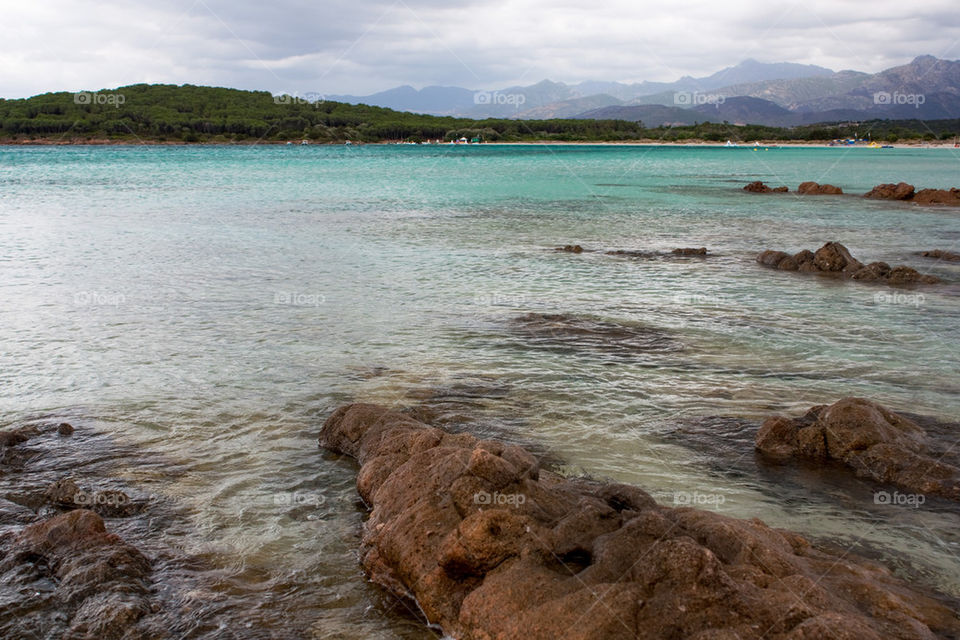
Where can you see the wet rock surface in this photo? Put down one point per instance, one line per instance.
(679, 252)
(939, 254)
(760, 187)
(908, 193)
(899, 191)
(834, 259)
(98, 583)
(871, 440)
(950, 197)
(690, 251)
(490, 546)
(816, 189)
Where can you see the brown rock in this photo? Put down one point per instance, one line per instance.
(65, 429)
(949, 197)
(101, 583)
(939, 254)
(788, 264)
(812, 188)
(907, 275)
(570, 248)
(873, 271)
(757, 187)
(873, 441)
(489, 551)
(899, 191)
(834, 259)
(772, 258)
(690, 251)
(833, 256)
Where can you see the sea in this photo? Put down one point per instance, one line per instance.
(201, 310)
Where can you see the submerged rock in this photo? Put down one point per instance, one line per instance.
(939, 254)
(584, 333)
(815, 189)
(490, 547)
(570, 248)
(99, 582)
(835, 259)
(873, 441)
(690, 251)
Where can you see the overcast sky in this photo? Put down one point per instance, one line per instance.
(362, 46)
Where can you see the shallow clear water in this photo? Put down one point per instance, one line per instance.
(213, 304)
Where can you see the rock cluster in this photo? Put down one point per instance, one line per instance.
(492, 547)
(570, 248)
(907, 192)
(760, 187)
(835, 259)
(873, 441)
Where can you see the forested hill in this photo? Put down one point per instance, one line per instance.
(170, 113)
(207, 114)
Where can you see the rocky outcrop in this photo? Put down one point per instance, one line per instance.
(907, 192)
(690, 251)
(815, 189)
(570, 248)
(939, 254)
(492, 547)
(72, 563)
(950, 197)
(834, 259)
(873, 441)
(760, 187)
(899, 191)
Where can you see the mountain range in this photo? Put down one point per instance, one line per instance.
(775, 94)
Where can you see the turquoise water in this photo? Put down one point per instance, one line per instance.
(214, 304)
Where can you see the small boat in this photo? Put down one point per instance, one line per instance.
(731, 144)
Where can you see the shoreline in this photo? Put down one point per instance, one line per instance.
(47, 142)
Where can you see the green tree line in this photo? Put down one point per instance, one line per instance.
(191, 113)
